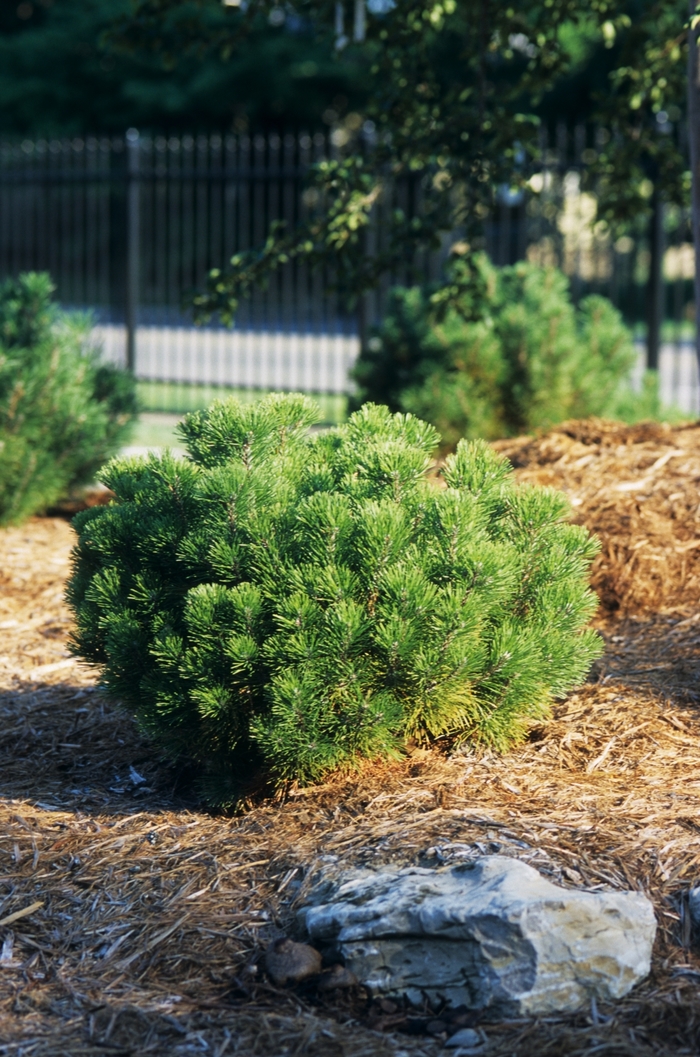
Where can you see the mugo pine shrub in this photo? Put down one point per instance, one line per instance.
(289, 602)
(532, 360)
(62, 413)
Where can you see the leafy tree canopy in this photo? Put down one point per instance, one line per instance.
(448, 94)
(456, 92)
(59, 75)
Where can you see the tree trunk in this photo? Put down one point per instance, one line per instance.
(694, 144)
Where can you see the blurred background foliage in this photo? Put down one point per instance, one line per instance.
(100, 66)
(64, 70)
(63, 413)
(60, 75)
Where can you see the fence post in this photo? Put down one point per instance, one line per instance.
(655, 289)
(693, 97)
(133, 249)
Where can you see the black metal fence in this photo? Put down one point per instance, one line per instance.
(129, 226)
(104, 214)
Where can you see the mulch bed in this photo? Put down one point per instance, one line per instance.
(151, 915)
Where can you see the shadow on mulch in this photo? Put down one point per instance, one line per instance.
(657, 654)
(66, 746)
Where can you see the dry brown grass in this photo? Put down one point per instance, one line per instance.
(154, 913)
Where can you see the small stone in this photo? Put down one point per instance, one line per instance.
(466, 1038)
(337, 978)
(288, 962)
(694, 906)
(436, 1027)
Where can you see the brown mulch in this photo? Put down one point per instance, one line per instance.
(151, 915)
(636, 487)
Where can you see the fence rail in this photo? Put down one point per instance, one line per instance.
(129, 226)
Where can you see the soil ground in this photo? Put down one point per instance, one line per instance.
(146, 916)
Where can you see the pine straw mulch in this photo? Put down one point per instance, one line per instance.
(636, 487)
(150, 914)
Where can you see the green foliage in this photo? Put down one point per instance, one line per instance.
(289, 602)
(533, 359)
(628, 63)
(644, 98)
(452, 105)
(455, 90)
(60, 76)
(455, 93)
(62, 413)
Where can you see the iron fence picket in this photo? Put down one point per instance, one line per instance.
(203, 198)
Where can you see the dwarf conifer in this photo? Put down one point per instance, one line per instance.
(292, 602)
(62, 412)
(532, 360)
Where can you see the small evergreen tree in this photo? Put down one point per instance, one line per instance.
(62, 413)
(533, 359)
(294, 602)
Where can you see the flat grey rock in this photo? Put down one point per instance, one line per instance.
(493, 935)
(694, 906)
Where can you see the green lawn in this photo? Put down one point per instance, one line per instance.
(177, 399)
(155, 430)
(165, 403)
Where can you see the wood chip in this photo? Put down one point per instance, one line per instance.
(24, 913)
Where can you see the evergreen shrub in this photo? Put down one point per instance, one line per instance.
(532, 360)
(282, 603)
(62, 413)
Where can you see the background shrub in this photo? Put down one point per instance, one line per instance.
(293, 602)
(532, 361)
(62, 414)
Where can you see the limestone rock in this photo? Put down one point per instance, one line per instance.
(493, 934)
